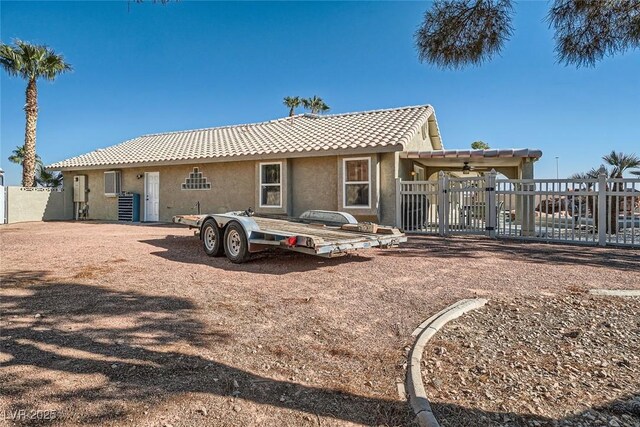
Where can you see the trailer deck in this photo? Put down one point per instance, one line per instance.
(319, 233)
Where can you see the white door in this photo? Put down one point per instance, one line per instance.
(152, 196)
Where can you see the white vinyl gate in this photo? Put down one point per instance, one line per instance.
(589, 211)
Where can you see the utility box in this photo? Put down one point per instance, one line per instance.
(80, 189)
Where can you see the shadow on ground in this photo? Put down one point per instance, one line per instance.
(84, 329)
(188, 249)
(143, 371)
(549, 253)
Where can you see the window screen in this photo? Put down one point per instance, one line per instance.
(357, 182)
(270, 185)
(111, 183)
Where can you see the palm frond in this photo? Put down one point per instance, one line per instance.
(31, 61)
(17, 156)
(621, 162)
(45, 178)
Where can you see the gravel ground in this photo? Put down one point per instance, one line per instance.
(571, 360)
(118, 324)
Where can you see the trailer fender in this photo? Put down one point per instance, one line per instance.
(201, 224)
(247, 223)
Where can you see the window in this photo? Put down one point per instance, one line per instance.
(357, 182)
(270, 185)
(111, 183)
(196, 181)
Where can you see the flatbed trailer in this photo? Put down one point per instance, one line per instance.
(323, 233)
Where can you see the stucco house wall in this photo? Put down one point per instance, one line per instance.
(233, 188)
(311, 150)
(314, 184)
(307, 183)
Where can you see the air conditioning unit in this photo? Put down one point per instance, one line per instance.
(80, 189)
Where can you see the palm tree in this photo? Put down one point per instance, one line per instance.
(31, 62)
(48, 179)
(588, 203)
(292, 102)
(620, 163)
(17, 156)
(316, 105)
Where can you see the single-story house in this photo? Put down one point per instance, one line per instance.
(347, 162)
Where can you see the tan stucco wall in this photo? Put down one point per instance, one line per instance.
(308, 183)
(314, 184)
(233, 188)
(38, 204)
(418, 143)
(388, 174)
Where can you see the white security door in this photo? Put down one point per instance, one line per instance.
(152, 196)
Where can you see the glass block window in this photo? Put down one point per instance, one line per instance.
(196, 181)
(270, 185)
(357, 182)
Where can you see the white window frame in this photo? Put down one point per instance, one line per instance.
(279, 205)
(118, 183)
(345, 183)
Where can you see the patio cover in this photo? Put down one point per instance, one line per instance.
(513, 162)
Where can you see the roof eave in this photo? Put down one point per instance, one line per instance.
(272, 156)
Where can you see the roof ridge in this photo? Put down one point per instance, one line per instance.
(280, 119)
(379, 110)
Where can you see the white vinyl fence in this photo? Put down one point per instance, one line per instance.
(590, 211)
(3, 218)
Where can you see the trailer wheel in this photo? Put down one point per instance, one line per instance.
(235, 243)
(211, 239)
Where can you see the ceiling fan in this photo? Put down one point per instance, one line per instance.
(467, 168)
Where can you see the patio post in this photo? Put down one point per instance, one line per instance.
(528, 200)
(491, 211)
(602, 209)
(398, 203)
(443, 214)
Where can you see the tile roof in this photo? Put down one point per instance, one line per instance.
(303, 134)
(488, 153)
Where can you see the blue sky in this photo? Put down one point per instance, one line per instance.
(145, 68)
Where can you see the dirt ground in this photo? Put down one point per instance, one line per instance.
(116, 324)
(570, 360)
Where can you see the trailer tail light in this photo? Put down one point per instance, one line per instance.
(291, 241)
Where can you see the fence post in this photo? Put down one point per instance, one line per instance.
(398, 202)
(492, 209)
(602, 209)
(442, 204)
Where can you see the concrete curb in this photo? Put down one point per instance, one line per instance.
(615, 292)
(424, 332)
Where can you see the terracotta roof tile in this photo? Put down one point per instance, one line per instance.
(303, 133)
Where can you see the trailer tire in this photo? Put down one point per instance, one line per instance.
(211, 238)
(236, 245)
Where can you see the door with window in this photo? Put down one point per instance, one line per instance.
(152, 196)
